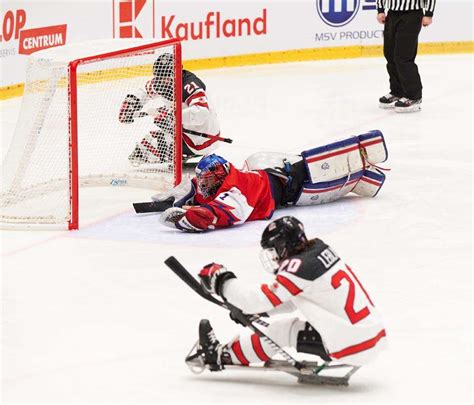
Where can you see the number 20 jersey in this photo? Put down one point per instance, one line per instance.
(328, 294)
(331, 297)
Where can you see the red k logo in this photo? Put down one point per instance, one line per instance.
(134, 18)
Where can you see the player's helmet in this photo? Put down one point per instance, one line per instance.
(163, 72)
(211, 172)
(163, 66)
(280, 239)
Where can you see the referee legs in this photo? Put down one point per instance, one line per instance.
(400, 48)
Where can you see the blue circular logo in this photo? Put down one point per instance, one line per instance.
(337, 13)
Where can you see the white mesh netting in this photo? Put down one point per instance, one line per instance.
(138, 152)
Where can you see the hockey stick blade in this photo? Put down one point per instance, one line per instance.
(178, 269)
(152, 206)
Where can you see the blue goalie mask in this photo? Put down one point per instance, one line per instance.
(211, 172)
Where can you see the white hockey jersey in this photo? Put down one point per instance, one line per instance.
(329, 295)
(198, 116)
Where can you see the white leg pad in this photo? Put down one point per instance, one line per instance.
(336, 169)
(370, 183)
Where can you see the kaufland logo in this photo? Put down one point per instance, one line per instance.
(133, 18)
(136, 19)
(337, 13)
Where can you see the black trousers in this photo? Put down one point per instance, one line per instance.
(286, 182)
(400, 45)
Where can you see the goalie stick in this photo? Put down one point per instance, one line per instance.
(141, 114)
(306, 372)
(152, 206)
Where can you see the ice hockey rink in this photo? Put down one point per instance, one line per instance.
(95, 316)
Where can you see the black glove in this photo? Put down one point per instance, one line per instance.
(213, 276)
(235, 318)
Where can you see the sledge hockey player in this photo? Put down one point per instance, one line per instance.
(341, 323)
(200, 124)
(221, 195)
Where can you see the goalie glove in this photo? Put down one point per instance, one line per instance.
(213, 276)
(175, 217)
(129, 107)
(194, 219)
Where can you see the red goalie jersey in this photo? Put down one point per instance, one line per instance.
(242, 196)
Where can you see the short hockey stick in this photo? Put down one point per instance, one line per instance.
(141, 114)
(216, 137)
(184, 275)
(237, 313)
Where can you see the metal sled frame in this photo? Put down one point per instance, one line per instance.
(312, 372)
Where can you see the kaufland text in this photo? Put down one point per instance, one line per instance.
(214, 26)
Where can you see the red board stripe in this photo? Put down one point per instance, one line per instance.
(360, 347)
(257, 347)
(289, 285)
(270, 295)
(237, 349)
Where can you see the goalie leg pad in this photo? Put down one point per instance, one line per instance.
(336, 169)
(373, 147)
(153, 148)
(328, 191)
(370, 183)
(338, 159)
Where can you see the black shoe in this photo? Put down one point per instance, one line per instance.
(210, 346)
(407, 105)
(388, 101)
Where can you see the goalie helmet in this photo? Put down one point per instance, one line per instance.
(280, 239)
(211, 172)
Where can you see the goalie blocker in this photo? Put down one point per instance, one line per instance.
(270, 181)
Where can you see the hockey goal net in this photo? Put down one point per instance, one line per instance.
(68, 134)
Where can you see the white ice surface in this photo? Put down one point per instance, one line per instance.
(94, 315)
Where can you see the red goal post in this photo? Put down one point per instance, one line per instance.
(68, 133)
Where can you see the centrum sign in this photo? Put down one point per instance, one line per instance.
(41, 38)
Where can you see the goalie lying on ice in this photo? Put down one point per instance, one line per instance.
(221, 195)
(341, 323)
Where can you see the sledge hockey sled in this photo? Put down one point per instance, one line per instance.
(311, 372)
